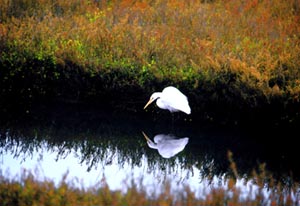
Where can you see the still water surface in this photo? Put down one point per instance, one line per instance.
(87, 150)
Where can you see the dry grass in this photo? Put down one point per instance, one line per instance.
(251, 48)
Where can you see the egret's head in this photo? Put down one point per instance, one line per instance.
(149, 142)
(153, 97)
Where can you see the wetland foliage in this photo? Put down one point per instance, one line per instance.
(243, 55)
(237, 61)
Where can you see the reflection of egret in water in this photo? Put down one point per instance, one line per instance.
(167, 145)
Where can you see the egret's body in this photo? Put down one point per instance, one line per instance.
(167, 145)
(171, 99)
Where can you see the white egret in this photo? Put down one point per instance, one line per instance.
(167, 145)
(171, 99)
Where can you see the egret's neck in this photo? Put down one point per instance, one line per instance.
(152, 145)
(156, 95)
(160, 104)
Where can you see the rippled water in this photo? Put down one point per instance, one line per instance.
(87, 149)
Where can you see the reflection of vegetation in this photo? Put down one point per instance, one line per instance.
(96, 139)
(243, 55)
(29, 191)
(92, 149)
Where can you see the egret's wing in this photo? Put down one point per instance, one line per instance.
(172, 147)
(174, 100)
(163, 137)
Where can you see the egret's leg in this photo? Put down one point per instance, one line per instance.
(172, 122)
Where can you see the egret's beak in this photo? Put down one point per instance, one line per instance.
(146, 137)
(149, 102)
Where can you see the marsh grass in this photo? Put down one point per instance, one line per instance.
(216, 51)
(261, 189)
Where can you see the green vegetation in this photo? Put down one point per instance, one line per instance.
(243, 55)
(234, 59)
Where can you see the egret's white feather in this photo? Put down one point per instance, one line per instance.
(171, 99)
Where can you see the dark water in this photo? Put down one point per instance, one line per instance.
(89, 146)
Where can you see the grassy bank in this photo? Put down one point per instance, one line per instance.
(235, 60)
